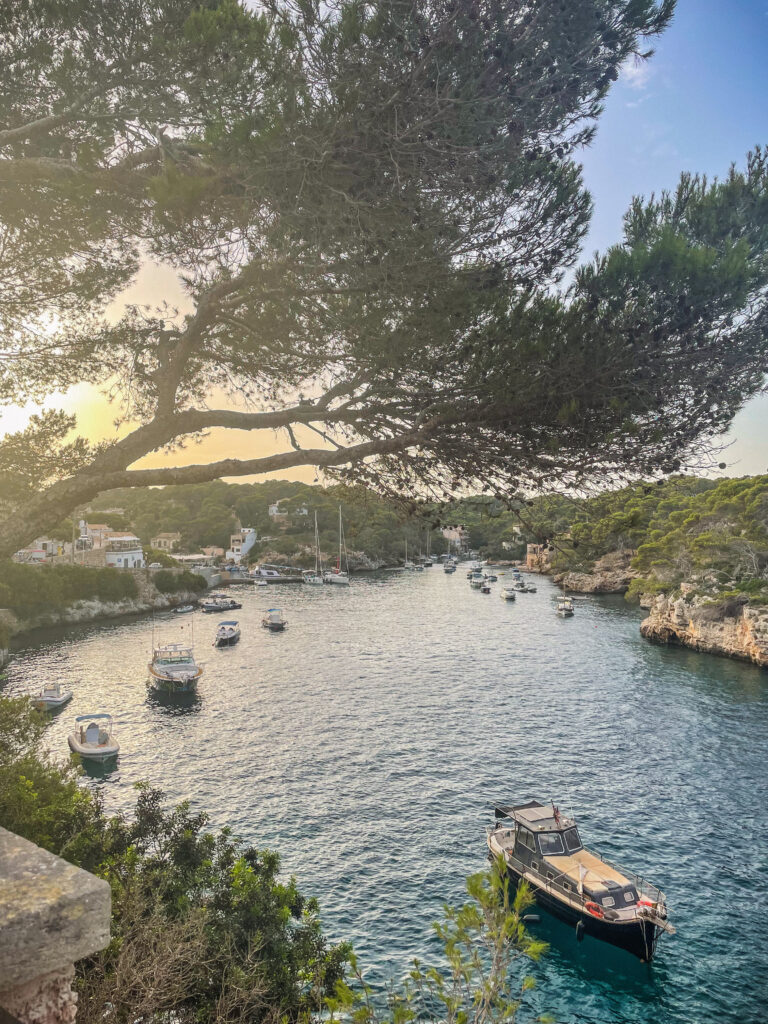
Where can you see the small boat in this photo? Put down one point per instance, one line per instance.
(519, 586)
(508, 593)
(529, 588)
(219, 603)
(485, 588)
(273, 620)
(543, 846)
(227, 634)
(173, 669)
(51, 697)
(182, 609)
(565, 607)
(93, 741)
(337, 577)
(491, 578)
(476, 580)
(260, 583)
(311, 578)
(449, 567)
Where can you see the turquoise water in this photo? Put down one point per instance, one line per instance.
(369, 741)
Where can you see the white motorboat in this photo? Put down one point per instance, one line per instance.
(227, 634)
(173, 669)
(51, 697)
(181, 609)
(519, 586)
(508, 593)
(476, 580)
(92, 738)
(449, 567)
(529, 588)
(274, 620)
(565, 607)
(338, 576)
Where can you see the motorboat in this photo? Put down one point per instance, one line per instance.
(51, 697)
(508, 593)
(173, 669)
(227, 634)
(519, 586)
(476, 580)
(182, 609)
(273, 620)
(529, 588)
(539, 844)
(219, 603)
(92, 738)
(449, 567)
(565, 607)
(276, 574)
(491, 578)
(485, 588)
(311, 578)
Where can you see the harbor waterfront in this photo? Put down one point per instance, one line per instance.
(370, 741)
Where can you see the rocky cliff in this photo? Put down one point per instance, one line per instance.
(611, 575)
(734, 629)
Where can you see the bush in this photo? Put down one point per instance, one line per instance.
(199, 920)
(173, 582)
(34, 589)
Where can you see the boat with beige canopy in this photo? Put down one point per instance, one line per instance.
(543, 846)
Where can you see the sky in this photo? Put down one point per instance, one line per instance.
(699, 104)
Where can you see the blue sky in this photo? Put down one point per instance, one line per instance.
(699, 104)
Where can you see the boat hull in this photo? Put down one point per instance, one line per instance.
(169, 684)
(52, 703)
(227, 641)
(90, 753)
(274, 627)
(637, 937)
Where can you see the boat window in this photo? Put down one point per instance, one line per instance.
(535, 865)
(526, 838)
(572, 841)
(608, 901)
(567, 885)
(551, 844)
(630, 896)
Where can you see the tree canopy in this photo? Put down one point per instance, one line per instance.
(371, 206)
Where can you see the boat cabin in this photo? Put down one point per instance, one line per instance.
(547, 842)
(172, 654)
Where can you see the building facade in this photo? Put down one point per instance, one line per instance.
(124, 551)
(166, 541)
(240, 544)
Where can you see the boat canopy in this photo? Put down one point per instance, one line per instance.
(228, 622)
(92, 718)
(535, 816)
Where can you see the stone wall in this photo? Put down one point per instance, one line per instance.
(734, 630)
(51, 915)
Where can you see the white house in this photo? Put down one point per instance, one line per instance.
(240, 544)
(124, 551)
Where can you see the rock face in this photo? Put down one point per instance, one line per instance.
(734, 630)
(611, 575)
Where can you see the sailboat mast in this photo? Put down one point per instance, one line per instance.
(339, 566)
(317, 549)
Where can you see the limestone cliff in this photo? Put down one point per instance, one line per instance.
(734, 629)
(611, 575)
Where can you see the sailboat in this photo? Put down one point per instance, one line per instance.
(313, 578)
(338, 575)
(406, 563)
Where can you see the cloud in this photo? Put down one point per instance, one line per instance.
(636, 73)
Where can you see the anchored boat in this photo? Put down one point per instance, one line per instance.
(173, 669)
(565, 607)
(543, 846)
(51, 697)
(227, 634)
(508, 593)
(92, 738)
(273, 620)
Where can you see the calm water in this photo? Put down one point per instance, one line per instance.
(368, 742)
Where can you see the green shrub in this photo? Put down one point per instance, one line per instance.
(173, 582)
(33, 589)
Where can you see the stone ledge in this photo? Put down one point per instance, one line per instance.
(51, 913)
